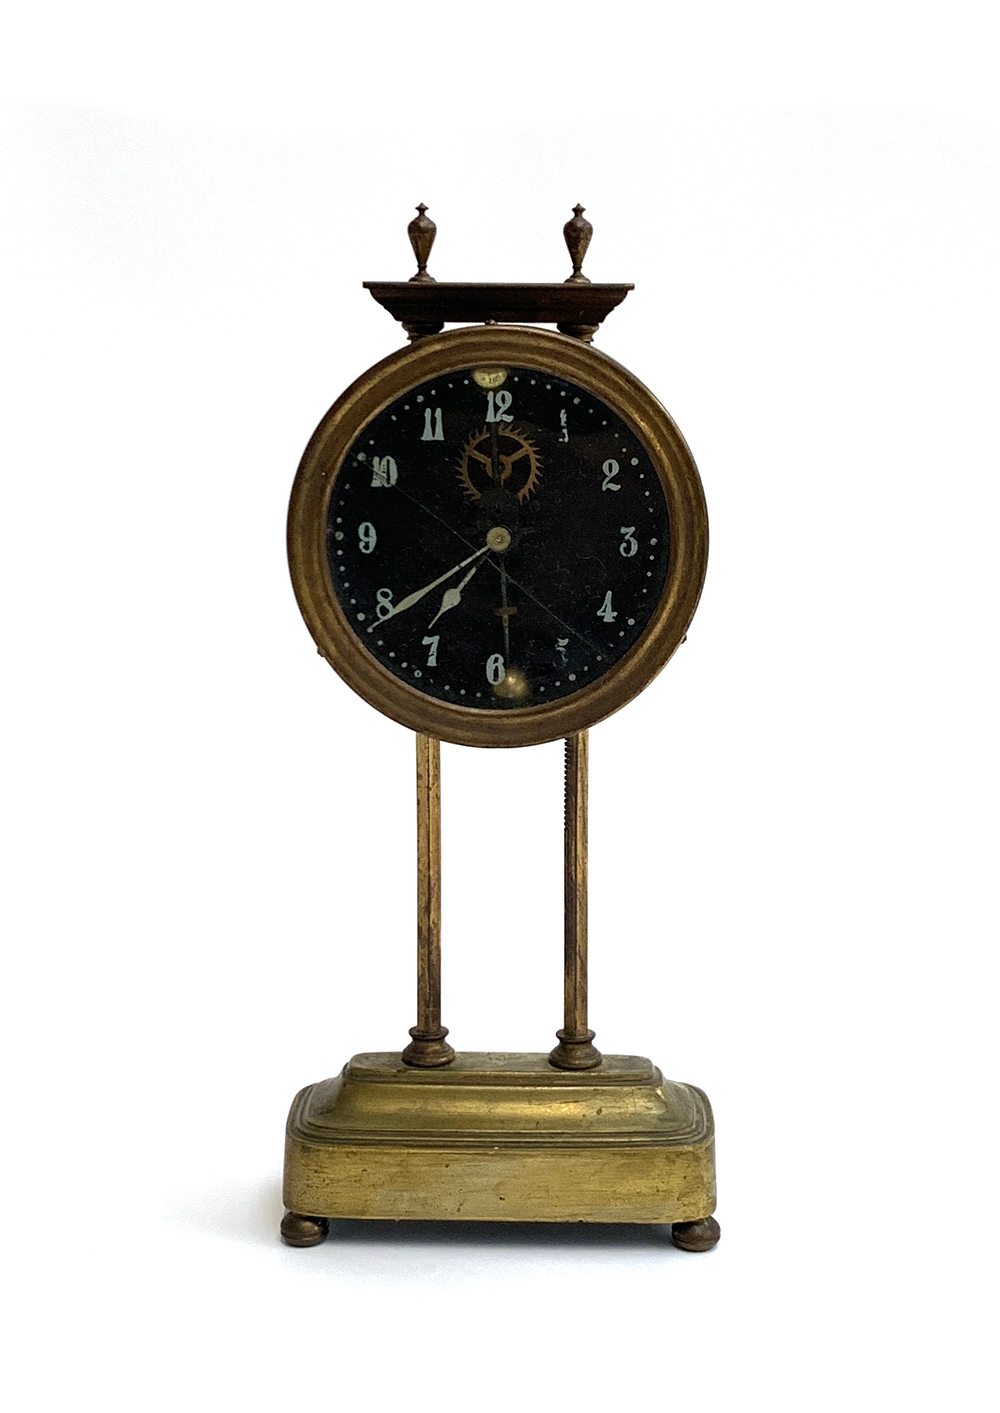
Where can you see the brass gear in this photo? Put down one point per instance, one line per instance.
(523, 459)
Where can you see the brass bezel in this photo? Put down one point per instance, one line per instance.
(432, 357)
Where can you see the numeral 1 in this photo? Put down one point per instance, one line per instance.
(496, 406)
(606, 611)
(433, 425)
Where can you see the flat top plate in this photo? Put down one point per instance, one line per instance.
(453, 302)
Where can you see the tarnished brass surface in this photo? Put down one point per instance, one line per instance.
(501, 1137)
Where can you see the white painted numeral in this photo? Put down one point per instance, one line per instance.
(564, 434)
(496, 406)
(366, 536)
(495, 670)
(384, 471)
(606, 611)
(610, 470)
(561, 645)
(383, 605)
(629, 545)
(432, 643)
(433, 425)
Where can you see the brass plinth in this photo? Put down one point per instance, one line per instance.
(501, 1137)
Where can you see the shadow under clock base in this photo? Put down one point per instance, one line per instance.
(501, 1137)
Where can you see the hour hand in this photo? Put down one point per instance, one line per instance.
(451, 598)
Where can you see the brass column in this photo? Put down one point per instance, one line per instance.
(575, 1050)
(428, 1047)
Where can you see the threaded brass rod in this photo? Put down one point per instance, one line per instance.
(575, 1050)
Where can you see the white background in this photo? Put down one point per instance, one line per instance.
(211, 840)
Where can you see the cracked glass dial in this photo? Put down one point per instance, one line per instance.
(497, 538)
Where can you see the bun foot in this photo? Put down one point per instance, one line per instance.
(696, 1236)
(297, 1230)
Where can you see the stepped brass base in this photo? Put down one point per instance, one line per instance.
(500, 1137)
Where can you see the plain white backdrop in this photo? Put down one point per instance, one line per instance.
(210, 840)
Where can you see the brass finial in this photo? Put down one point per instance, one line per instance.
(421, 231)
(577, 233)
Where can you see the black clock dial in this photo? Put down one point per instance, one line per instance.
(498, 538)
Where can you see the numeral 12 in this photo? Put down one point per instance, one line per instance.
(496, 406)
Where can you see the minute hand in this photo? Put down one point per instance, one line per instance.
(418, 594)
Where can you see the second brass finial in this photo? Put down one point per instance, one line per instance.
(577, 234)
(422, 231)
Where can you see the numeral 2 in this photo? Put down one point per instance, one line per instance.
(610, 469)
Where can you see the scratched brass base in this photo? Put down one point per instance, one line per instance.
(501, 1137)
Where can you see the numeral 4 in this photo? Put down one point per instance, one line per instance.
(433, 425)
(605, 611)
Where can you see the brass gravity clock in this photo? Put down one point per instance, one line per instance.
(497, 537)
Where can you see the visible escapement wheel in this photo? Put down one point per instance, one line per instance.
(297, 1230)
(696, 1236)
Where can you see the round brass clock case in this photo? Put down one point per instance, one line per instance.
(324, 464)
